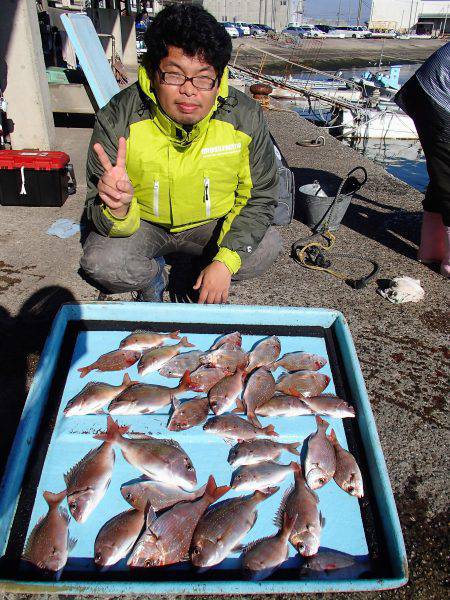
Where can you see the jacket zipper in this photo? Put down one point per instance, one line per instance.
(207, 197)
(156, 198)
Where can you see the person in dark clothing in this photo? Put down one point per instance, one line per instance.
(426, 99)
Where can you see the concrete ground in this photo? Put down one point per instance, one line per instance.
(403, 349)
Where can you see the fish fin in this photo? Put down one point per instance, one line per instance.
(126, 380)
(278, 518)
(27, 548)
(270, 430)
(171, 442)
(322, 520)
(65, 514)
(255, 421)
(175, 335)
(185, 342)
(53, 499)
(71, 543)
(251, 545)
(113, 433)
(185, 383)
(292, 448)
(69, 474)
(176, 402)
(85, 370)
(100, 411)
(238, 548)
(150, 515)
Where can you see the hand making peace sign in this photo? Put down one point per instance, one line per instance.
(114, 186)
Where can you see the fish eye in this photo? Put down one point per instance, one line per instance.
(128, 496)
(301, 546)
(196, 551)
(350, 489)
(98, 556)
(73, 505)
(321, 480)
(148, 563)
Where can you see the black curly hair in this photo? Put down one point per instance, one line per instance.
(191, 28)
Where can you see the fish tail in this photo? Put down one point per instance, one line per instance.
(254, 420)
(264, 494)
(113, 433)
(175, 335)
(321, 423)
(53, 499)
(185, 342)
(292, 448)
(240, 407)
(295, 467)
(214, 492)
(85, 370)
(332, 437)
(187, 379)
(126, 380)
(274, 366)
(185, 382)
(270, 430)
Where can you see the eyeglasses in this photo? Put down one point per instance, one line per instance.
(200, 82)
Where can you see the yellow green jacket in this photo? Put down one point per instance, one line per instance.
(224, 168)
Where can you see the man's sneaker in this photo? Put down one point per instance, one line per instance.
(154, 292)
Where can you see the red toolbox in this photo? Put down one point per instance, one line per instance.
(35, 178)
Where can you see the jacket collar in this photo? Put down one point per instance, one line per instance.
(175, 132)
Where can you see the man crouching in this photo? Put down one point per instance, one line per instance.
(180, 162)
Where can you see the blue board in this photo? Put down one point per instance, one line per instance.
(346, 527)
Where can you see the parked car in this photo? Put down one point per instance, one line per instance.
(231, 29)
(240, 30)
(312, 31)
(257, 31)
(266, 28)
(366, 33)
(295, 32)
(244, 26)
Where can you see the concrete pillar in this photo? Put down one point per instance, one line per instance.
(128, 34)
(109, 22)
(26, 89)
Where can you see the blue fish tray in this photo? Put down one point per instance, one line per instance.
(47, 444)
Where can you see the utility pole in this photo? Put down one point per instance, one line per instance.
(410, 15)
(358, 18)
(445, 20)
(339, 13)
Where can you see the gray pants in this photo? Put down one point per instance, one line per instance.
(126, 264)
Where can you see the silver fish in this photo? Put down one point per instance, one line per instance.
(234, 338)
(117, 537)
(227, 356)
(281, 405)
(163, 460)
(145, 398)
(117, 360)
(253, 452)
(300, 361)
(320, 462)
(223, 394)
(94, 396)
(347, 475)
(259, 389)
(178, 365)
(264, 353)
(328, 561)
(299, 500)
(232, 427)
(167, 539)
(262, 557)
(48, 545)
(303, 383)
(261, 475)
(159, 495)
(155, 358)
(223, 526)
(89, 479)
(189, 413)
(143, 340)
(331, 406)
(204, 378)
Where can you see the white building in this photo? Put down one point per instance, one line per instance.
(409, 15)
(274, 13)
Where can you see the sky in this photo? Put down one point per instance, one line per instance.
(327, 9)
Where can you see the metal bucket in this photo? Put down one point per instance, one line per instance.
(320, 211)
